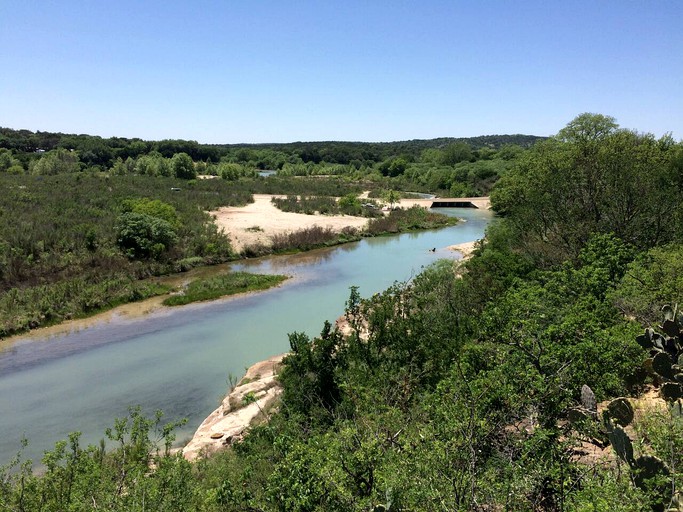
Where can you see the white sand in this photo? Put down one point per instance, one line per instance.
(465, 249)
(241, 222)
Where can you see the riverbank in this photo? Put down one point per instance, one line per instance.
(253, 399)
(465, 249)
(257, 223)
(133, 310)
(250, 401)
(285, 232)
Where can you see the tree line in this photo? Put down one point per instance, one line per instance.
(447, 166)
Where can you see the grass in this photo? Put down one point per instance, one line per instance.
(410, 219)
(221, 286)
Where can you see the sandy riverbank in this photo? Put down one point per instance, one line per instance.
(257, 222)
(465, 249)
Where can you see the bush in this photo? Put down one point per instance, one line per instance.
(143, 236)
(304, 239)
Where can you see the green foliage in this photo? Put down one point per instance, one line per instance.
(408, 219)
(10, 164)
(392, 197)
(153, 208)
(559, 327)
(61, 240)
(137, 474)
(653, 279)
(311, 238)
(349, 205)
(143, 236)
(55, 162)
(650, 473)
(183, 167)
(449, 392)
(456, 153)
(223, 285)
(30, 307)
(666, 353)
(393, 167)
(591, 178)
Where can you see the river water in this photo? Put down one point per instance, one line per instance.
(178, 360)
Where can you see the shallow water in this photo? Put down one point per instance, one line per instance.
(179, 360)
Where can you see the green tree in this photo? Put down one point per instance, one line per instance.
(393, 167)
(143, 236)
(183, 167)
(456, 153)
(392, 197)
(588, 128)
(154, 208)
(350, 204)
(8, 163)
(56, 162)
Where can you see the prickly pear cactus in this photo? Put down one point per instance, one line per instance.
(649, 466)
(666, 352)
(677, 409)
(662, 364)
(622, 444)
(588, 401)
(651, 473)
(671, 391)
(620, 411)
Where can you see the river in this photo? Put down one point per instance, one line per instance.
(178, 360)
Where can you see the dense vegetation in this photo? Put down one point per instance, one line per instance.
(84, 220)
(75, 243)
(453, 391)
(350, 204)
(397, 221)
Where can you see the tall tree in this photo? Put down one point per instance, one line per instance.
(183, 166)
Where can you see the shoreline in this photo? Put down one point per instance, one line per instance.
(257, 222)
(125, 312)
(466, 249)
(249, 402)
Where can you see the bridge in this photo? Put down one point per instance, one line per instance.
(451, 202)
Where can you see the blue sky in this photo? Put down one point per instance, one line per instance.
(282, 71)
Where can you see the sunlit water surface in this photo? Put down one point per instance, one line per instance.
(178, 360)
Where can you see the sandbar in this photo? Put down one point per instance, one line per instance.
(257, 222)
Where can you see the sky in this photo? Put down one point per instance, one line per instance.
(227, 71)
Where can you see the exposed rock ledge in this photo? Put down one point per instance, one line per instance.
(227, 423)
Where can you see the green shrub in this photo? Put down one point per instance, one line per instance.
(220, 286)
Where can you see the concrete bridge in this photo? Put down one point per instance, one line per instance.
(450, 202)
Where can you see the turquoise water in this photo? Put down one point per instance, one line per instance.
(179, 360)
